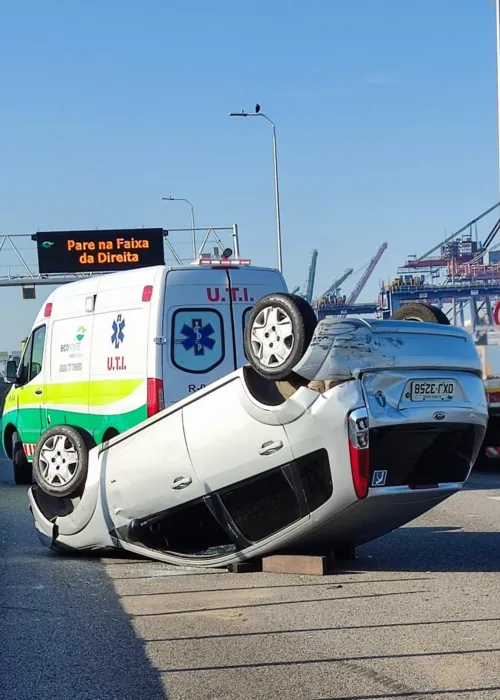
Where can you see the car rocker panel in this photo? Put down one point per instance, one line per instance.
(248, 466)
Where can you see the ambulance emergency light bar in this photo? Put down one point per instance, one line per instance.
(222, 261)
(207, 259)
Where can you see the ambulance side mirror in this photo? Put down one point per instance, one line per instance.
(11, 371)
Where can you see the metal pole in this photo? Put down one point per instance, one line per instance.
(461, 312)
(236, 243)
(277, 201)
(193, 229)
(454, 301)
(497, 17)
(203, 242)
(182, 199)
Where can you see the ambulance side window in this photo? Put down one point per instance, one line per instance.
(31, 364)
(37, 354)
(197, 344)
(23, 371)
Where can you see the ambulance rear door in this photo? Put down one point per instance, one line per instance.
(198, 336)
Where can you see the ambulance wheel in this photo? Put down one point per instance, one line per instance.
(61, 461)
(23, 474)
(421, 312)
(277, 334)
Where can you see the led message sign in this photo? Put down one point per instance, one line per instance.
(99, 251)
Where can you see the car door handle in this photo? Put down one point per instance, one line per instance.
(269, 448)
(38, 392)
(181, 482)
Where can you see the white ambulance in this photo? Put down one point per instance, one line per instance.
(109, 351)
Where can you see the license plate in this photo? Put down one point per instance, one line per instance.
(435, 390)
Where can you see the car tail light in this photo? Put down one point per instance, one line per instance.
(48, 310)
(359, 450)
(147, 293)
(155, 400)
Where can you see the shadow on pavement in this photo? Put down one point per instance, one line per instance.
(486, 479)
(332, 660)
(63, 632)
(310, 630)
(455, 693)
(432, 549)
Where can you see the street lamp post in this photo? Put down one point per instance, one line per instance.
(258, 113)
(181, 199)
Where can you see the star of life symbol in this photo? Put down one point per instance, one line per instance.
(197, 336)
(118, 327)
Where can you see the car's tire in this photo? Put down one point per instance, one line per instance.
(61, 461)
(23, 473)
(420, 312)
(277, 334)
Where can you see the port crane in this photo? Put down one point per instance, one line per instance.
(311, 277)
(459, 271)
(366, 275)
(334, 289)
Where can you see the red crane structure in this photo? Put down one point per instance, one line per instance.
(366, 275)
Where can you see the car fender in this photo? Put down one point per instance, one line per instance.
(335, 348)
(82, 514)
(290, 410)
(44, 527)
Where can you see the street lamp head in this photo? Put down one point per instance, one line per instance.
(257, 113)
(246, 114)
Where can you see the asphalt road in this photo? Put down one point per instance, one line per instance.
(417, 616)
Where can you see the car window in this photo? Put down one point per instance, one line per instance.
(197, 340)
(24, 365)
(37, 352)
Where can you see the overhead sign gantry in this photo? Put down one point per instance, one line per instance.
(60, 257)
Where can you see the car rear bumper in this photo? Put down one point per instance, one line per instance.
(381, 512)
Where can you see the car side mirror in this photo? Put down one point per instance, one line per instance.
(11, 371)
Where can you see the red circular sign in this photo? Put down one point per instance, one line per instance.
(496, 314)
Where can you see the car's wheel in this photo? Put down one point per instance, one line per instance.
(61, 461)
(23, 473)
(421, 312)
(277, 334)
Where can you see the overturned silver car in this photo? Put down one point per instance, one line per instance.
(334, 434)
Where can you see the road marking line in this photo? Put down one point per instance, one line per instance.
(494, 498)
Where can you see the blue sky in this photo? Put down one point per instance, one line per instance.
(385, 113)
